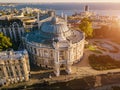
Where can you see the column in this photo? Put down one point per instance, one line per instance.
(5, 72)
(13, 71)
(5, 77)
(69, 61)
(56, 63)
(25, 68)
(37, 51)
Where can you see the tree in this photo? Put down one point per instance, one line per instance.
(86, 27)
(4, 42)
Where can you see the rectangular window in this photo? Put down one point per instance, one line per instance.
(21, 66)
(15, 67)
(17, 73)
(62, 57)
(11, 73)
(35, 50)
(22, 72)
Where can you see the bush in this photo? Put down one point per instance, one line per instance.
(115, 88)
(103, 62)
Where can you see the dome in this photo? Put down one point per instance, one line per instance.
(55, 26)
(54, 20)
(55, 29)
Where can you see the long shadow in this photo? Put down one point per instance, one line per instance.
(44, 74)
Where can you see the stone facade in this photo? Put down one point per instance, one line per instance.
(13, 28)
(55, 45)
(14, 67)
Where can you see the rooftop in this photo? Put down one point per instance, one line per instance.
(12, 55)
(55, 30)
(8, 22)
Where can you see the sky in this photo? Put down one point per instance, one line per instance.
(52, 1)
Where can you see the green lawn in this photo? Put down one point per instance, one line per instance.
(93, 49)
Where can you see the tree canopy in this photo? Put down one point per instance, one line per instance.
(4, 42)
(86, 27)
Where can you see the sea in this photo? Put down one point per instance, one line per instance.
(111, 9)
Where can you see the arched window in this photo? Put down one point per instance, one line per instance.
(15, 25)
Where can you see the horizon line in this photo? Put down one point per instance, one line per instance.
(58, 2)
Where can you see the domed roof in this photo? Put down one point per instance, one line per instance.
(54, 30)
(55, 26)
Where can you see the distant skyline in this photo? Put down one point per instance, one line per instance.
(52, 1)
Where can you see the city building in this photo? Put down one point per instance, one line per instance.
(12, 27)
(14, 67)
(86, 8)
(85, 13)
(32, 18)
(41, 18)
(55, 45)
(98, 21)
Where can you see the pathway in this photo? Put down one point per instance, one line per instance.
(116, 56)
